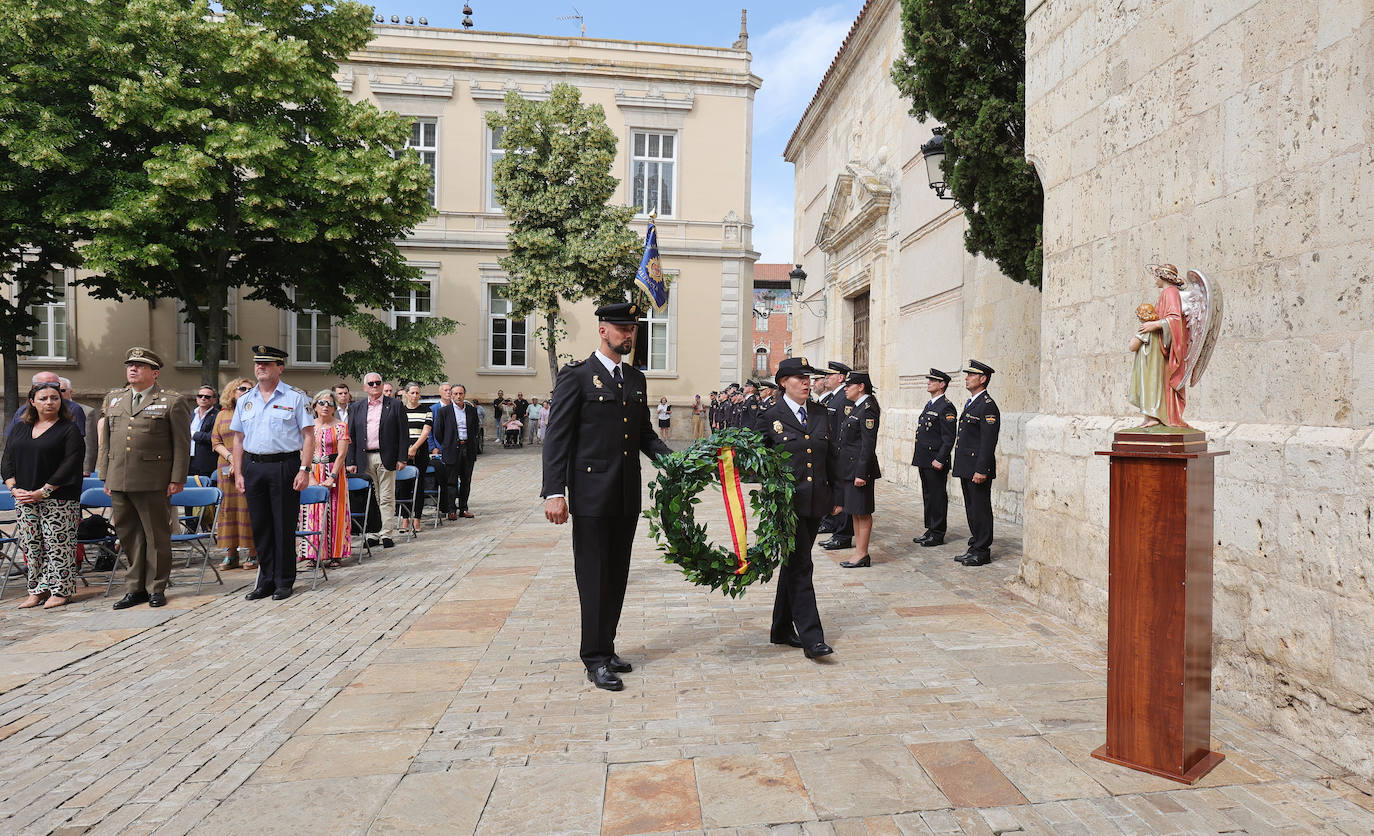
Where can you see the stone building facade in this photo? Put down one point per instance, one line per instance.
(890, 288)
(1235, 137)
(684, 117)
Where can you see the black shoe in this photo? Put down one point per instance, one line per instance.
(157, 599)
(861, 563)
(790, 641)
(618, 665)
(388, 543)
(603, 677)
(258, 594)
(838, 542)
(371, 541)
(282, 594)
(826, 529)
(818, 649)
(932, 541)
(130, 600)
(960, 558)
(977, 560)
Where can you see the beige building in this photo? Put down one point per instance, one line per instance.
(1236, 138)
(684, 117)
(890, 287)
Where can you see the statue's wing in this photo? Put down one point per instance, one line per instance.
(1202, 336)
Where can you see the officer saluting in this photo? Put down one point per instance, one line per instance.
(144, 458)
(935, 431)
(975, 462)
(598, 427)
(274, 441)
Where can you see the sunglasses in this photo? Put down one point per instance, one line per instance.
(57, 386)
(243, 388)
(204, 397)
(324, 403)
(372, 383)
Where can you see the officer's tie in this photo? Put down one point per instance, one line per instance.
(138, 399)
(619, 382)
(801, 414)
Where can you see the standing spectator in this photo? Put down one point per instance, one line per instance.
(78, 413)
(435, 459)
(699, 410)
(388, 391)
(482, 419)
(79, 416)
(665, 416)
(274, 445)
(522, 408)
(544, 418)
(233, 531)
(532, 420)
(375, 430)
(202, 426)
(143, 458)
(419, 426)
(459, 431)
(498, 407)
(331, 518)
(344, 398)
(43, 471)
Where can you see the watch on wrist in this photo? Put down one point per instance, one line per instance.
(47, 492)
(304, 468)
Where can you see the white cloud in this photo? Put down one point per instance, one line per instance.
(791, 58)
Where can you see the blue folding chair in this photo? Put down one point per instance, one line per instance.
(314, 495)
(91, 482)
(356, 483)
(199, 540)
(193, 519)
(412, 473)
(432, 494)
(94, 503)
(10, 553)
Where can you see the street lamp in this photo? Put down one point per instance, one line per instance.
(798, 279)
(934, 153)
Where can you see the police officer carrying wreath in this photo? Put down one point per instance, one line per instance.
(935, 431)
(599, 426)
(975, 462)
(274, 442)
(143, 459)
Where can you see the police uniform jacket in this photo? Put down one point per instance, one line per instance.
(935, 432)
(858, 440)
(594, 438)
(145, 449)
(749, 412)
(813, 455)
(975, 450)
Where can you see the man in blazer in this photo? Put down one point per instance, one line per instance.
(975, 461)
(599, 426)
(801, 426)
(203, 455)
(145, 451)
(375, 429)
(456, 431)
(935, 431)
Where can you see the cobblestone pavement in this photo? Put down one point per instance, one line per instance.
(436, 688)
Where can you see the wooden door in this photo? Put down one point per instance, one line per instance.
(860, 361)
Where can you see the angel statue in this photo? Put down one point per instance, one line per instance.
(1173, 343)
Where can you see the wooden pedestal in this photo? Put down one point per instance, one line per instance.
(1159, 605)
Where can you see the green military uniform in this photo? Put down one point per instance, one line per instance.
(144, 448)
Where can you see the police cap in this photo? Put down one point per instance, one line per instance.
(139, 354)
(621, 313)
(936, 374)
(269, 354)
(836, 367)
(975, 367)
(793, 366)
(860, 378)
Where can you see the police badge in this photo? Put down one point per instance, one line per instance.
(777, 427)
(848, 409)
(868, 423)
(596, 381)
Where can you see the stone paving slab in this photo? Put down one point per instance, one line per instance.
(435, 689)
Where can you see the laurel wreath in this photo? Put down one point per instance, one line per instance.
(683, 475)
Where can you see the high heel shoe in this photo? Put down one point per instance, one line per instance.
(861, 563)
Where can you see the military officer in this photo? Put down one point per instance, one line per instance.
(145, 450)
(839, 526)
(801, 426)
(935, 431)
(858, 469)
(733, 410)
(768, 394)
(749, 407)
(975, 462)
(599, 426)
(274, 442)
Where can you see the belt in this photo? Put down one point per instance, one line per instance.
(267, 458)
(373, 450)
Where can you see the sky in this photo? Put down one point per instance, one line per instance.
(791, 41)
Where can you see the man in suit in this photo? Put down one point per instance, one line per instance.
(935, 431)
(203, 455)
(800, 426)
(839, 526)
(457, 430)
(975, 462)
(599, 426)
(375, 429)
(345, 399)
(145, 451)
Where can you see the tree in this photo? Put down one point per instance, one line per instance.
(964, 63)
(252, 169)
(553, 182)
(407, 351)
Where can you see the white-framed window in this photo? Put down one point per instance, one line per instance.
(653, 172)
(415, 302)
(191, 342)
(494, 153)
(652, 353)
(311, 337)
(507, 340)
(424, 138)
(761, 360)
(49, 340)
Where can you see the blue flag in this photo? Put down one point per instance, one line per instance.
(650, 274)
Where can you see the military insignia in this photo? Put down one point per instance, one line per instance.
(634, 310)
(868, 423)
(777, 427)
(804, 363)
(848, 409)
(596, 381)
(247, 406)
(991, 419)
(949, 417)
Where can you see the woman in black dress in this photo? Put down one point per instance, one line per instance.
(42, 468)
(419, 424)
(858, 461)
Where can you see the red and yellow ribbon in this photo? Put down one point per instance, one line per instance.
(733, 492)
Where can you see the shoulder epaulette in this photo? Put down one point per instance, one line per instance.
(574, 363)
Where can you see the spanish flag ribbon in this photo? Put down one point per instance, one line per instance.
(733, 492)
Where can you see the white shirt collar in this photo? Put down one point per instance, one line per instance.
(793, 405)
(861, 399)
(606, 361)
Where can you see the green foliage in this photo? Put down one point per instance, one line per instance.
(406, 352)
(685, 474)
(964, 63)
(553, 182)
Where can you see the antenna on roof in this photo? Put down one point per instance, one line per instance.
(577, 16)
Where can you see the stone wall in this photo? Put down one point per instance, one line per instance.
(1232, 137)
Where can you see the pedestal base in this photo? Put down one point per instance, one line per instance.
(1191, 776)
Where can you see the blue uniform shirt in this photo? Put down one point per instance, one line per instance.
(275, 424)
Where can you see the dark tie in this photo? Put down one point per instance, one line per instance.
(619, 381)
(801, 414)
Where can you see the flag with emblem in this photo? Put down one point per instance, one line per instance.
(650, 274)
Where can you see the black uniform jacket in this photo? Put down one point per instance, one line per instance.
(446, 433)
(749, 412)
(935, 431)
(594, 438)
(813, 455)
(389, 433)
(975, 451)
(858, 440)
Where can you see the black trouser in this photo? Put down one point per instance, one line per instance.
(441, 481)
(978, 506)
(274, 507)
(838, 524)
(935, 496)
(459, 473)
(601, 561)
(794, 605)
